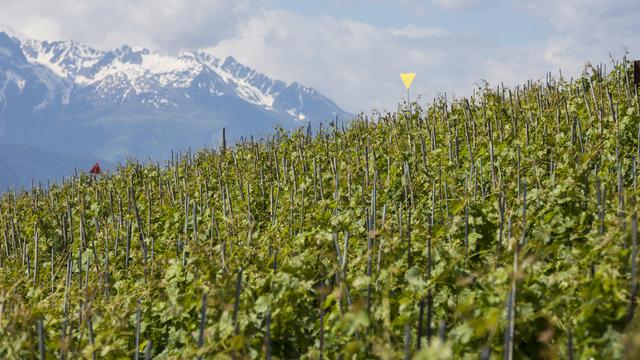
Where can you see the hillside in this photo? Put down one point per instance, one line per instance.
(22, 164)
(500, 226)
(72, 98)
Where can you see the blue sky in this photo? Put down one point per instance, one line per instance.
(354, 50)
(490, 18)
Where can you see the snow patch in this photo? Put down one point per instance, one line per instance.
(19, 81)
(247, 91)
(296, 115)
(115, 77)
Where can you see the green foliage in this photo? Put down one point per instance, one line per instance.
(348, 240)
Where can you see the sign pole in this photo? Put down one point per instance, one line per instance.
(407, 79)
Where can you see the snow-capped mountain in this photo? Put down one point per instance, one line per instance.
(72, 98)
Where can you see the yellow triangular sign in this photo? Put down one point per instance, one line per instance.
(407, 79)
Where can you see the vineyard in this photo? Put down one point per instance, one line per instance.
(503, 225)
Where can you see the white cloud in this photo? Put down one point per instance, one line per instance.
(353, 62)
(170, 25)
(457, 4)
(416, 32)
(358, 64)
(587, 30)
(590, 19)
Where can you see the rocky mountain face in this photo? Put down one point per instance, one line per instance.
(72, 99)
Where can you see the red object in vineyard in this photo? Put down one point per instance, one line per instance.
(95, 170)
(636, 72)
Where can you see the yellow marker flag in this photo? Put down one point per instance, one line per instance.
(407, 79)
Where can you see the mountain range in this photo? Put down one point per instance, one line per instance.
(69, 98)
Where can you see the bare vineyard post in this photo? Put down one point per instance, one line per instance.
(91, 337)
(321, 335)
(41, 339)
(634, 281)
(407, 341)
(148, 352)
(267, 339)
(409, 103)
(569, 344)
(236, 305)
(137, 354)
(442, 328)
(203, 322)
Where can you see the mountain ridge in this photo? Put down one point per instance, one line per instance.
(146, 71)
(70, 97)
